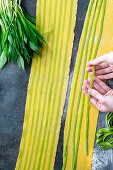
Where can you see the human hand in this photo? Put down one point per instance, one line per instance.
(103, 66)
(101, 94)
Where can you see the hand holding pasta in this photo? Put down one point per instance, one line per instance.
(103, 66)
(101, 94)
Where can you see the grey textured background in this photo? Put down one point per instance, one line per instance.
(13, 90)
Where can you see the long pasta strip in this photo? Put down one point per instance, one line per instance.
(77, 67)
(47, 85)
(91, 85)
(105, 45)
(85, 74)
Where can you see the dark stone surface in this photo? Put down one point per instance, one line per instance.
(13, 90)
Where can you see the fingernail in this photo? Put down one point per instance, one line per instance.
(84, 81)
(89, 62)
(95, 78)
(90, 73)
(89, 90)
(98, 77)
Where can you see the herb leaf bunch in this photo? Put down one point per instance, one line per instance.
(19, 37)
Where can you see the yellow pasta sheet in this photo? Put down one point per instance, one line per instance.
(47, 85)
(105, 46)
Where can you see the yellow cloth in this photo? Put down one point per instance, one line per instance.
(47, 85)
(106, 45)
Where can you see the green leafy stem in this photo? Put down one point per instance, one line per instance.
(105, 135)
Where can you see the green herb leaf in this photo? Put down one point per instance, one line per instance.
(20, 62)
(29, 17)
(3, 60)
(33, 47)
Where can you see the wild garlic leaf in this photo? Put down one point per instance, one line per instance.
(33, 47)
(3, 60)
(20, 62)
(32, 19)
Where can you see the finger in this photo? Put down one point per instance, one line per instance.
(102, 84)
(98, 104)
(96, 61)
(110, 93)
(93, 101)
(102, 65)
(85, 89)
(95, 85)
(98, 67)
(86, 83)
(98, 87)
(107, 76)
(96, 95)
(103, 71)
(89, 69)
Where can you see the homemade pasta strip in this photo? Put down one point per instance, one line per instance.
(105, 46)
(47, 85)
